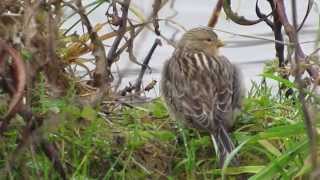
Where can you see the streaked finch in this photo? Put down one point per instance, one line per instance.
(203, 88)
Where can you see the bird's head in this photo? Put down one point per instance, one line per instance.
(201, 39)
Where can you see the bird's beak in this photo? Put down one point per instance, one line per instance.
(220, 43)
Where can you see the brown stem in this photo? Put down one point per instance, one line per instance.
(121, 31)
(156, 7)
(215, 14)
(102, 69)
(20, 83)
(51, 152)
(139, 30)
(277, 30)
(53, 67)
(290, 31)
(308, 117)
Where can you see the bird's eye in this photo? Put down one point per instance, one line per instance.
(209, 40)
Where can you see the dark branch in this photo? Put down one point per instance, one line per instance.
(263, 16)
(156, 7)
(239, 19)
(121, 31)
(146, 61)
(289, 29)
(52, 153)
(137, 86)
(277, 30)
(310, 4)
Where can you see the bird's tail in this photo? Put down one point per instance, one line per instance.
(223, 146)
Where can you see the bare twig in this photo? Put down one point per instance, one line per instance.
(263, 16)
(51, 152)
(289, 29)
(308, 116)
(156, 8)
(310, 4)
(98, 3)
(137, 86)
(146, 61)
(102, 70)
(121, 31)
(239, 19)
(215, 14)
(20, 83)
(137, 32)
(132, 57)
(277, 26)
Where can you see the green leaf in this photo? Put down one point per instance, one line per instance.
(88, 113)
(282, 131)
(270, 147)
(158, 109)
(277, 165)
(202, 142)
(26, 55)
(164, 135)
(304, 170)
(286, 82)
(238, 170)
(72, 112)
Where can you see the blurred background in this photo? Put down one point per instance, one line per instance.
(248, 53)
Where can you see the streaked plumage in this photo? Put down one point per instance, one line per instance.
(203, 88)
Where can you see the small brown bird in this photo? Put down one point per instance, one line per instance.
(203, 88)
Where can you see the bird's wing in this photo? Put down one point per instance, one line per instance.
(202, 89)
(238, 89)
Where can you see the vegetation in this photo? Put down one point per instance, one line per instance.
(143, 142)
(56, 123)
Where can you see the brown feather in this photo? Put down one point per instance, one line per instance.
(202, 88)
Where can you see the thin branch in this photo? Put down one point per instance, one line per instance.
(19, 71)
(137, 32)
(102, 70)
(308, 117)
(99, 3)
(290, 31)
(137, 85)
(310, 4)
(263, 16)
(239, 19)
(156, 8)
(277, 31)
(146, 61)
(215, 14)
(132, 57)
(52, 153)
(121, 31)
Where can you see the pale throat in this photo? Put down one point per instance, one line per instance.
(211, 51)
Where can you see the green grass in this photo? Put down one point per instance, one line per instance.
(143, 142)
